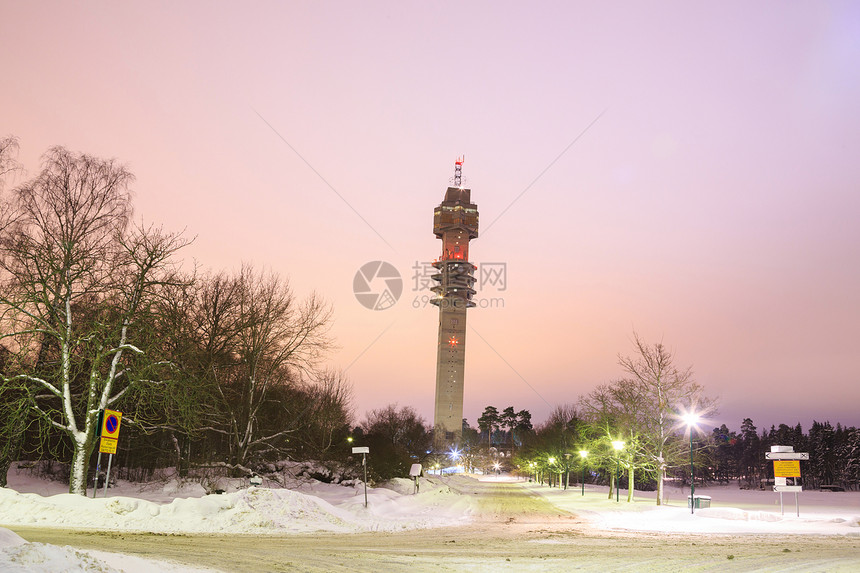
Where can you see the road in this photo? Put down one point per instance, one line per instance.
(514, 530)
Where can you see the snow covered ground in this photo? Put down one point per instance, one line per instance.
(732, 511)
(317, 507)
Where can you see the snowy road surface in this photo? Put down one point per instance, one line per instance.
(512, 529)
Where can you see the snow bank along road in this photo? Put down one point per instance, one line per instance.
(512, 530)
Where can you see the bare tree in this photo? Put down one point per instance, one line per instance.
(80, 282)
(272, 339)
(657, 392)
(8, 166)
(8, 153)
(329, 412)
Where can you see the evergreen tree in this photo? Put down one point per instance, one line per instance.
(750, 452)
(488, 421)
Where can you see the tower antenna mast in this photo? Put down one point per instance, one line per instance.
(455, 223)
(458, 171)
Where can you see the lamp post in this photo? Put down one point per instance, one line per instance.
(691, 420)
(618, 445)
(583, 454)
(566, 471)
(551, 461)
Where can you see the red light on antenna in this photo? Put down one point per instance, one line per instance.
(460, 160)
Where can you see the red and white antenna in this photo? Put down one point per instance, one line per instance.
(458, 171)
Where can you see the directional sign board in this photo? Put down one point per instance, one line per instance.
(361, 450)
(786, 455)
(788, 489)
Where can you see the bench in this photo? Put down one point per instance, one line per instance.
(832, 488)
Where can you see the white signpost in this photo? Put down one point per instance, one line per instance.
(415, 473)
(363, 450)
(786, 465)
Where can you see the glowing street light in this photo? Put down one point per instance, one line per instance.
(496, 467)
(583, 454)
(691, 419)
(454, 454)
(618, 445)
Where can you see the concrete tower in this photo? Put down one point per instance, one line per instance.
(455, 222)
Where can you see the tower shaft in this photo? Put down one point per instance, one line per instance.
(455, 222)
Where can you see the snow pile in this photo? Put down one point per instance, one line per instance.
(319, 507)
(16, 554)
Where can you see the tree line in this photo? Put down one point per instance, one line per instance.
(834, 454)
(96, 312)
(643, 413)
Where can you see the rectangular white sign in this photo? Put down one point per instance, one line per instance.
(787, 488)
(361, 450)
(786, 456)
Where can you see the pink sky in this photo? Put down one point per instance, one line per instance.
(712, 206)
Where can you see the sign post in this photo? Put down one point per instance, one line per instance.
(363, 450)
(99, 458)
(108, 442)
(415, 473)
(786, 465)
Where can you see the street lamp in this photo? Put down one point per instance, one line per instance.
(566, 471)
(691, 419)
(551, 461)
(583, 454)
(618, 445)
(496, 467)
(454, 454)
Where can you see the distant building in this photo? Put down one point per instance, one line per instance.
(455, 222)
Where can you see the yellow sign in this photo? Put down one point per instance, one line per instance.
(107, 445)
(110, 424)
(786, 468)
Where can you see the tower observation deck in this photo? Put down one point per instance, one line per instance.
(455, 222)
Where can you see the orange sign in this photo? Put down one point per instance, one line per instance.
(786, 468)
